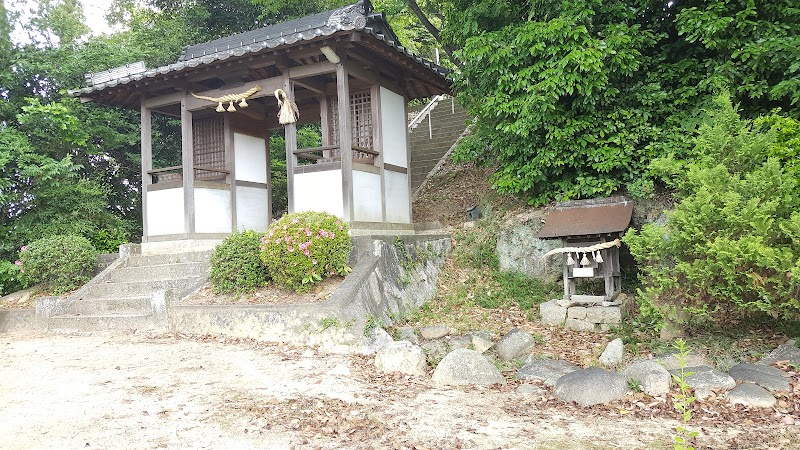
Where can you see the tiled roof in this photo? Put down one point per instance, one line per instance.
(357, 17)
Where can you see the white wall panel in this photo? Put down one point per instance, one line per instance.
(250, 155)
(319, 191)
(397, 206)
(393, 123)
(212, 209)
(165, 212)
(251, 208)
(367, 196)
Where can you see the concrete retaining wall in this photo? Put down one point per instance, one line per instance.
(379, 289)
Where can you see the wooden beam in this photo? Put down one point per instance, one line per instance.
(268, 86)
(311, 70)
(345, 140)
(164, 100)
(147, 158)
(311, 85)
(187, 158)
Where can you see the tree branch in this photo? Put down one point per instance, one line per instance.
(449, 49)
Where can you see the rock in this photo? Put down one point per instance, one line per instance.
(552, 313)
(786, 352)
(548, 370)
(460, 342)
(580, 325)
(604, 314)
(516, 343)
(403, 357)
(482, 341)
(520, 250)
(529, 389)
(591, 386)
(612, 355)
(751, 395)
(407, 334)
(378, 337)
(435, 350)
(653, 378)
(704, 379)
(770, 378)
(464, 366)
(670, 361)
(434, 331)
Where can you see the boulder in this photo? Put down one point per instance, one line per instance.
(482, 341)
(403, 357)
(529, 389)
(768, 377)
(407, 334)
(435, 331)
(435, 350)
(704, 379)
(464, 366)
(786, 352)
(591, 387)
(612, 355)
(520, 250)
(653, 378)
(515, 344)
(751, 395)
(670, 361)
(552, 313)
(548, 370)
(375, 340)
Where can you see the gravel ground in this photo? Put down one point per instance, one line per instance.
(171, 391)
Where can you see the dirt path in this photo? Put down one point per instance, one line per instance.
(144, 392)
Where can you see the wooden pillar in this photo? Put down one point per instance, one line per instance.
(269, 179)
(345, 138)
(324, 124)
(290, 135)
(377, 142)
(408, 160)
(187, 157)
(147, 159)
(230, 165)
(566, 276)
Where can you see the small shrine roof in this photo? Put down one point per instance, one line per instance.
(588, 217)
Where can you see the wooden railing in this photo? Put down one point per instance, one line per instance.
(175, 174)
(332, 153)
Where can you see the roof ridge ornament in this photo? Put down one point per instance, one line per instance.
(230, 98)
(348, 17)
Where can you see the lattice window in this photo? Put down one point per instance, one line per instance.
(209, 146)
(360, 122)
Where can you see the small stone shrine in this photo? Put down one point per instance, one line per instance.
(590, 232)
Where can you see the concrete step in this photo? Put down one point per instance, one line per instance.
(160, 272)
(72, 323)
(168, 258)
(139, 288)
(116, 305)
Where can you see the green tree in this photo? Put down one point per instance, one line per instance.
(575, 98)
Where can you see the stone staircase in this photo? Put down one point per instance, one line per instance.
(131, 294)
(433, 132)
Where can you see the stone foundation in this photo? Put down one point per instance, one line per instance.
(586, 317)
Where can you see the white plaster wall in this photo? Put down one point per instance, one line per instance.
(250, 156)
(367, 196)
(393, 123)
(251, 208)
(212, 210)
(319, 191)
(165, 212)
(397, 206)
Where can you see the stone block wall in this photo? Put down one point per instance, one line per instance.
(579, 317)
(448, 122)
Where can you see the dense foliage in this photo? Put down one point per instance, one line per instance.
(236, 264)
(732, 243)
(301, 249)
(575, 98)
(60, 263)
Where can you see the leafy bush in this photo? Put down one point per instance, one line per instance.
(236, 264)
(61, 263)
(732, 243)
(302, 248)
(12, 277)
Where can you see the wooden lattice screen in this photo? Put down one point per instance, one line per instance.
(209, 146)
(360, 122)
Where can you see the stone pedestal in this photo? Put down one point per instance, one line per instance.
(586, 317)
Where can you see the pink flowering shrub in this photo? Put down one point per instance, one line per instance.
(303, 248)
